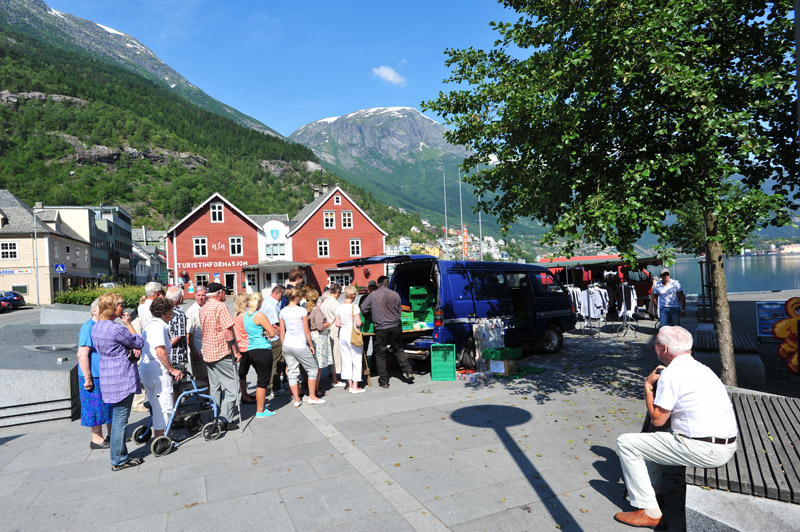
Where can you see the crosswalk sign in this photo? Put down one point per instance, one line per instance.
(60, 268)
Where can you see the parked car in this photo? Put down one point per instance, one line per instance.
(108, 285)
(14, 299)
(4, 306)
(534, 306)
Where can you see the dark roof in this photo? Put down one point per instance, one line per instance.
(261, 219)
(20, 219)
(152, 234)
(311, 207)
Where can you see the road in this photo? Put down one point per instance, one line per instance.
(24, 315)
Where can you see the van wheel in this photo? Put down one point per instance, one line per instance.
(552, 340)
(466, 357)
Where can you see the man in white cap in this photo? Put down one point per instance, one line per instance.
(668, 294)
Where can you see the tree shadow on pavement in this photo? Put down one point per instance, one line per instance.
(604, 362)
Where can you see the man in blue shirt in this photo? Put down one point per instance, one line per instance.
(671, 301)
(271, 308)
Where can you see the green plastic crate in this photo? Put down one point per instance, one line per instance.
(366, 325)
(443, 362)
(502, 353)
(420, 291)
(421, 303)
(425, 315)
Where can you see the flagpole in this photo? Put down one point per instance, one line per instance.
(444, 189)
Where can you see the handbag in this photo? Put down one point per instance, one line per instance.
(356, 338)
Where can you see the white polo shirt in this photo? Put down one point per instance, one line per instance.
(696, 397)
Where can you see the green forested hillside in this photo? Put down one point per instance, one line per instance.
(177, 154)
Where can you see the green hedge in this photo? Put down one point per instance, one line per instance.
(85, 296)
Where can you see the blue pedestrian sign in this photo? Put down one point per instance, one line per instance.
(60, 268)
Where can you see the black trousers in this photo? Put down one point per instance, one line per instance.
(392, 337)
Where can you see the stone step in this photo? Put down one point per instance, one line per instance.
(50, 411)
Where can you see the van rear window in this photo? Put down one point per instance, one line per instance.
(490, 285)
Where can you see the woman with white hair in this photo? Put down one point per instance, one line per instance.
(94, 411)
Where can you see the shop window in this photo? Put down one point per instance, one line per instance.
(217, 213)
(200, 246)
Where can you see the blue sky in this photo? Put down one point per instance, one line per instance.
(290, 63)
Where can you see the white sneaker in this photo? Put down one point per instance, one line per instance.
(339, 384)
(316, 401)
(298, 403)
(357, 390)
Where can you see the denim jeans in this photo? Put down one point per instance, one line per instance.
(119, 422)
(670, 316)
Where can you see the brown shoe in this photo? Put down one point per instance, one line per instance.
(639, 518)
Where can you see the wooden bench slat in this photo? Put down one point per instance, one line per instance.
(764, 410)
(786, 416)
(745, 460)
(763, 450)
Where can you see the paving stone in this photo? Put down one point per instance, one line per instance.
(390, 522)
(332, 502)
(412, 448)
(10, 482)
(330, 465)
(438, 476)
(153, 500)
(257, 479)
(54, 517)
(264, 511)
(501, 463)
(148, 523)
(279, 441)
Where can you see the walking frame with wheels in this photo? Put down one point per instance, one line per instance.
(191, 405)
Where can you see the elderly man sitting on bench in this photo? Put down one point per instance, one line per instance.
(702, 433)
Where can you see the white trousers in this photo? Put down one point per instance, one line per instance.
(158, 387)
(352, 358)
(642, 455)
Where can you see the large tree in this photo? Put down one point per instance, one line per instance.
(606, 116)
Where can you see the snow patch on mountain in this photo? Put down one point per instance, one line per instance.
(57, 13)
(110, 30)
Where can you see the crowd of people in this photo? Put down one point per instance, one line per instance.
(293, 337)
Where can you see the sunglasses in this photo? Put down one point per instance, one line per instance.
(664, 275)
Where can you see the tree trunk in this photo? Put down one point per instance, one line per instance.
(722, 310)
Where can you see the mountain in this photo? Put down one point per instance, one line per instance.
(402, 158)
(62, 30)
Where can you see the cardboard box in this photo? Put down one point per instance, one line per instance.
(503, 367)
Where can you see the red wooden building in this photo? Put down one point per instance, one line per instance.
(213, 243)
(333, 229)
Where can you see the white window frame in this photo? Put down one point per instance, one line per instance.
(343, 279)
(6, 251)
(200, 241)
(198, 279)
(355, 247)
(323, 248)
(217, 211)
(337, 200)
(347, 216)
(234, 242)
(329, 219)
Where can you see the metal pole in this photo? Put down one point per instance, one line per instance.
(36, 258)
(444, 189)
(461, 210)
(480, 228)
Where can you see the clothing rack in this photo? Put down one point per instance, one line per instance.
(627, 310)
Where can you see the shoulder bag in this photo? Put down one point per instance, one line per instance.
(356, 338)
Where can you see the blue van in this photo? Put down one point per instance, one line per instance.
(535, 308)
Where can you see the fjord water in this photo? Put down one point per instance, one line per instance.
(755, 273)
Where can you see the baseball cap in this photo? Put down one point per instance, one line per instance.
(215, 287)
(372, 284)
(665, 271)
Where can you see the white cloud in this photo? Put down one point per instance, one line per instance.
(388, 75)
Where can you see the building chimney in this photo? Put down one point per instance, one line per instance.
(144, 235)
(37, 205)
(324, 188)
